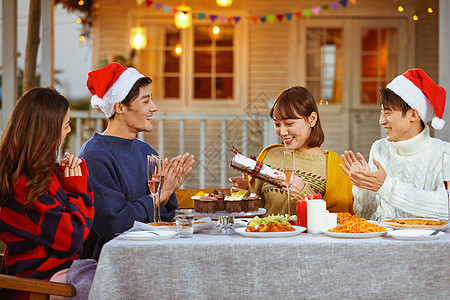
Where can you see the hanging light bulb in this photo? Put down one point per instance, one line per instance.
(400, 8)
(224, 3)
(415, 18)
(183, 17)
(138, 37)
(216, 30)
(430, 10)
(178, 50)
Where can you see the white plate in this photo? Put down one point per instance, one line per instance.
(149, 236)
(242, 232)
(415, 235)
(354, 235)
(412, 228)
(200, 226)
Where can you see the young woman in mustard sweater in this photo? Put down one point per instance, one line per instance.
(297, 123)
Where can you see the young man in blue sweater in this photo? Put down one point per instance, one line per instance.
(117, 160)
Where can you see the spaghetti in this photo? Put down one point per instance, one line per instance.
(353, 224)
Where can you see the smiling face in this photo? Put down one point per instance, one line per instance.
(293, 132)
(398, 126)
(65, 127)
(138, 114)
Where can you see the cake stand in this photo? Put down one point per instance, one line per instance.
(226, 220)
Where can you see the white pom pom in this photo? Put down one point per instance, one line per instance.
(96, 101)
(437, 123)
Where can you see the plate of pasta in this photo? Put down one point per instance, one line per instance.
(353, 227)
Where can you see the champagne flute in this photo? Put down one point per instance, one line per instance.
(155, 180)
(288, 171)
(447, 187)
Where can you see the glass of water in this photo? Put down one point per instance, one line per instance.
(185, 222)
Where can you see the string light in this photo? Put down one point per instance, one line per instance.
(183, 17)
(81, 38)
(79, 20)
(178, 50)
(216, 30)
(138, 37)
(400, 8)
(224, 3)
(81, 3)
(415, 18)
(430, 10)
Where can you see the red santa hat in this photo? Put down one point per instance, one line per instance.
(420, 92)
(111, 84)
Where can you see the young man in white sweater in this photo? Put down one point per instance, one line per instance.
(405, 174)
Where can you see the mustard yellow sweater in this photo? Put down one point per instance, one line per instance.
(321, 173)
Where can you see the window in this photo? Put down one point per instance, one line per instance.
(324, 64)
(209, 75)
(213, 62)
(377, 57)
(161, 59)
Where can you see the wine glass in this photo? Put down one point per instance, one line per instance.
(447, 187)
(288, 171)
(155, 180)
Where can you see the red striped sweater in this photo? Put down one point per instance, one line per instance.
(52, 235)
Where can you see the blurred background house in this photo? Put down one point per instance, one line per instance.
(214, 80)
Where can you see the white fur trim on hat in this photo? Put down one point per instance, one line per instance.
(412, 95)
(117, 92)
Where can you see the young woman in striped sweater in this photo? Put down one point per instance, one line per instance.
(46, 207)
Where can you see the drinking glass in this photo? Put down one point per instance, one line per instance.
(155, 179)
(185, 222)
(288, 171)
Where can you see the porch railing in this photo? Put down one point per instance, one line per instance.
(269, 136)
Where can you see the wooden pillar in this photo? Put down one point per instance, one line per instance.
(444, 64)
(47, 76)
(9, 59)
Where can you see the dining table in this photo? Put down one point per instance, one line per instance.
(304, 266)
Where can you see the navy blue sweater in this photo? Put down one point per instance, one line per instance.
(118, 175)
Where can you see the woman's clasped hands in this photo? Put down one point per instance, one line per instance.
(71, 164)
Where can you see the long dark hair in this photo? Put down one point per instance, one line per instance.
(298, 101)
(30, 141)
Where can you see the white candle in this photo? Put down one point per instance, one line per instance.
(316, 215)
(330, 220)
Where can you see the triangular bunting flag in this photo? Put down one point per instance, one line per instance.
(166, 8)
(263, 19)
(280, 17)
(298, 14)
(157, 5)
(222, 19)
(288, 16)
(174, 10)
(325, 7)
(254, 19)
(229, 20)
(343, 3)
(334, 5)
(306, 13)
(201, 16)
(237, 19)
(316, 10)
(213, 17)
(270, 18)
(139, 2)
(148, 2)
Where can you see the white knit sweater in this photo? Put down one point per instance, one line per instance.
(416, 169)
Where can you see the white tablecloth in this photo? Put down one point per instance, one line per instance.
(302, 267)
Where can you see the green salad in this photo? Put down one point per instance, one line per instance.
(272, 218)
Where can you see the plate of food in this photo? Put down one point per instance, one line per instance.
(415, 235)
(149, 235)
(355, 228)
(414, 223)
(270, 230)
(160, 225)
(203, 223)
